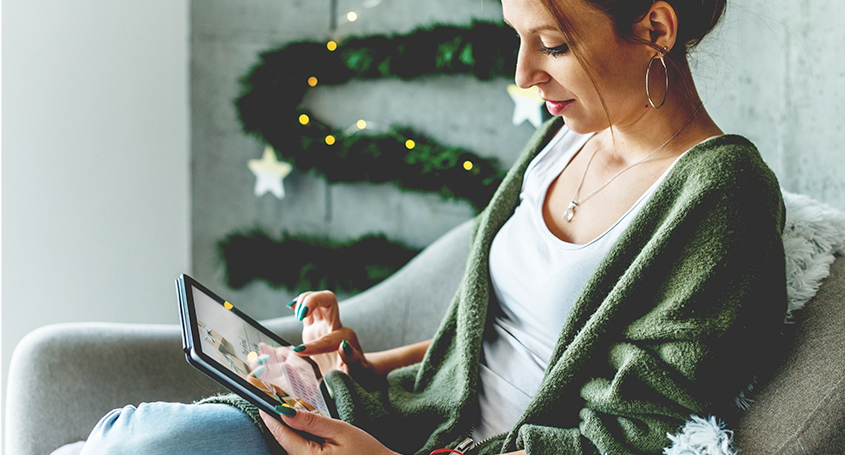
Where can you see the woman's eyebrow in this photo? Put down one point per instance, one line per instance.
(542, 28)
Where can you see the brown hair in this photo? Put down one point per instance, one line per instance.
(696, 19)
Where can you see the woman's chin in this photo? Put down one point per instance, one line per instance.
(577, 126)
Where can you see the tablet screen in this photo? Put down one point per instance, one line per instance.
(230, 339)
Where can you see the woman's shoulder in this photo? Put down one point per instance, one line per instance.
(728, 147)
(728, 169)
(725, 158)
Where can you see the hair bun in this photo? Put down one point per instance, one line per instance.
(696, 18)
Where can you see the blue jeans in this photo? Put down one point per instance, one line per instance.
(174, 428)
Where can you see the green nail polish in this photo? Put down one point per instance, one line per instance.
(299, 348)
(292, 303)
(302, 312)
(285, 410)
(347, 348)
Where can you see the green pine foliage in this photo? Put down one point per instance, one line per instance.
(269, 107)
(304, 262)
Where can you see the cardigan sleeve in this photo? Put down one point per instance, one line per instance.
(685, 310)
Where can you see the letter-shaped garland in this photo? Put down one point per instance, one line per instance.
(269, 108)
(274, 88)
(303, 262)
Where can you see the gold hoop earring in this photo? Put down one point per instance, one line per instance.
(658, 55)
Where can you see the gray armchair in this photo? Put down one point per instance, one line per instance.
(64, 378)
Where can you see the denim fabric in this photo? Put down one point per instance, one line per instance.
(174, 428)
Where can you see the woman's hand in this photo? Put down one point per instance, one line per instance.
(338, 436)
(328, 342)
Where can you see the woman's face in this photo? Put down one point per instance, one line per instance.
(547, 62)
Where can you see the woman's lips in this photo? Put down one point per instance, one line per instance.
(558, 107)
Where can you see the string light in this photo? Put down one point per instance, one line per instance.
(330, 140)
(331, 46)
(304, 119)
(351, 16)
(361, 124)
(410, 144)
(312, 81)
(468, 165)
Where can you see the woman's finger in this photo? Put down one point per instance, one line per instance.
(327, 343)
(335, 436)
(292, 304)
(296, 306)
(349, 353)
(287, 438)
(317, 305)
(322, 427)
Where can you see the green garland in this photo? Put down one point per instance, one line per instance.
(269, 107)
(302, 263)
(274, 89)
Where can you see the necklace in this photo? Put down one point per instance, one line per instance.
(575, 202)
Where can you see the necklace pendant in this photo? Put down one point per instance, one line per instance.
(570, 211)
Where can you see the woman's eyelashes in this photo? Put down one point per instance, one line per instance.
(555, 51)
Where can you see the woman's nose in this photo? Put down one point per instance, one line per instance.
(528, 71)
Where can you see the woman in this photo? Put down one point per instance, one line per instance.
(627, 274)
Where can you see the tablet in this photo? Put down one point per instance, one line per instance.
(246, 357)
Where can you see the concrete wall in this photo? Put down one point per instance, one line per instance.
(775, 73)
(95, 193)
(771, 72)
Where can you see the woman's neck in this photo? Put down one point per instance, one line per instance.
(679, 125)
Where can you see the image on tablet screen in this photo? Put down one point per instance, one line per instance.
(258, 359)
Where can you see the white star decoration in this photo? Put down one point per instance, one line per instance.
(529, 105)
(269, 174)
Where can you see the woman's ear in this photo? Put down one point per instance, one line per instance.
(659, 26)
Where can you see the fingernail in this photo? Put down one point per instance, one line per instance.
(285, 410)
(299, 348)
(263, 359)
(347, 348)
(292, 303)
(301, 312)
(258, 371)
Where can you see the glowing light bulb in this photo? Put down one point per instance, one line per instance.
(252, 356)
(330, 140)
(331, 46)
(303, 119)
(312, 81)
(352, 16)
(468, 165)
(361, 124)
(410, 144)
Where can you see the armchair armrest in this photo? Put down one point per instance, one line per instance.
(64, 378)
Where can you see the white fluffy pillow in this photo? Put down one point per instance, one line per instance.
(814, 233)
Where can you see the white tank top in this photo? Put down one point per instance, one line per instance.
(536, 278)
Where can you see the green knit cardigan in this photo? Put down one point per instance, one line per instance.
(675, 321)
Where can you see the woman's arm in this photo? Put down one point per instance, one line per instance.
(384, 362)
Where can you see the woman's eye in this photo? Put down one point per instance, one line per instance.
(555, 51)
